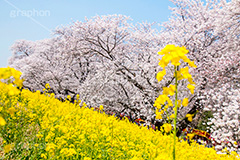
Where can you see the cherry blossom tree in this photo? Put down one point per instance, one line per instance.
(106, 60)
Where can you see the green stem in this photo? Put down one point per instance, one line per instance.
(175, 113)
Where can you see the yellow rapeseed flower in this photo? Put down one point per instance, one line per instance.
(169, 102)
(160, 100)
(43, 156)
(4, 74)
(47, 86)
(2, 121)
(190, 135)
(175, 60)
(78, 96)
(172, 116)
(179, 103)
(179, 75)
(101, 107)
(69, 97)
(190, 117)
(163, 63)
(11, 111)
(7, 148)
(71, 151)
(185, 102)
(190, 80)
(167, 49)
(167, 127)
(174, 54)
(158, 115)
(18, 82)
(185, 73)
(165, 90)
(15, 73)
(169, 90)
(135, 158)
(191, 64)
(160, 75)
(191, 88)
(12, 91)
(166, 106)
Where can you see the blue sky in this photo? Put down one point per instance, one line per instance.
(45, 15)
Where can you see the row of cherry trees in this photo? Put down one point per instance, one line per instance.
(106, 59)
(110, 61)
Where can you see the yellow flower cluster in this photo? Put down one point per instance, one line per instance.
(12, 76)
(173, 54)
(38, 126)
